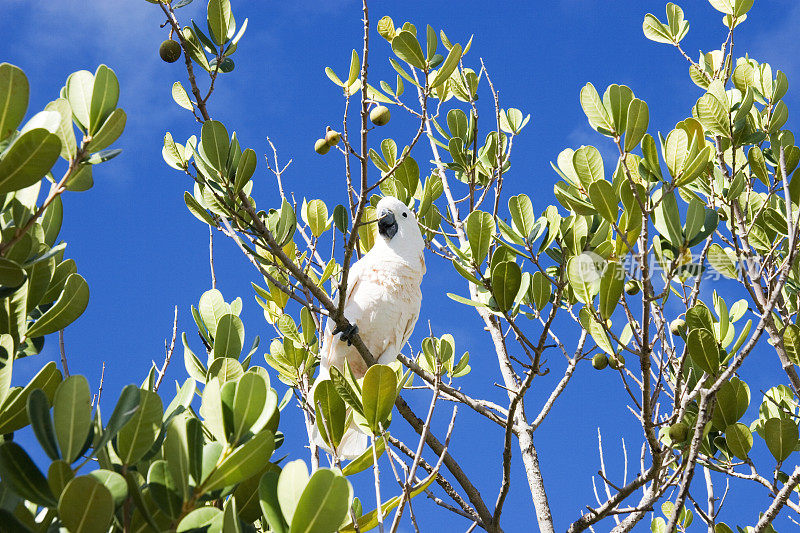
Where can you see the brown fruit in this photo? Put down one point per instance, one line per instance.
(170, 51)
(321, 147)
(380, 115)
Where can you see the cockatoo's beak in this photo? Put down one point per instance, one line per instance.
(387, 225)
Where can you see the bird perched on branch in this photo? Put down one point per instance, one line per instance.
(382, 303)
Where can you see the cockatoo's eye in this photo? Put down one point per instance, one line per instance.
(405, 215)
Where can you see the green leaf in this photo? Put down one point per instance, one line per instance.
(114, 482)
(355, 67)
(733, 399)
(584, 277)
(668, 220)
(331, 414)
(291, 484)
(42, 423)
(366, 459)
(58, 475)
(712, 114)
(212, 306)
(739, 440)
(521, 209)
(448, 67)
(219, 15)
(19, 471)
(139, 433)
(14, 92)
(28, 159)
(406, 46)
(229, 337)
(105, 95)
(65, 131)
(198, 210)
(248, 403)
(201, 519)
(14, 415)
(127, 406)
(540, 290)
(244, 462)
(588, 165)
(506, 278)
(69, 306)
(378, 393)
(655, 30)
(268, 501)
(616, 100)
(611, 285)
(245, 168)
(316, 215)
(80, 86)
(703, 349)
(595, 111)
(637, 121)
(781, 437)
(11, 273)
(724, 6)
(286, 224)
(180, 96)
(109, 132)
(791, 342)
(72, 415)
(325, 502)
(164, 488)
(721, 261)
(604, 199)
(214, 138)
(480, 232)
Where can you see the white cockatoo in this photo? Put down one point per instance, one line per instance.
(382, 304)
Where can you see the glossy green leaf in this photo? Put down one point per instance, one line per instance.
(65, 131)
(72, 416)
(721, 261)
(127, 406)
(248, 403)
(703, 350)
(164, 488)
(588, 165)
(6, 365)
(378, 393)
(480, 232)
(207, 519)
(739, 440)
(108, 132)
(28, 159)
(229, 338)
(291, 484)
(14, 92)
(215, 144)
(604, 199)
(612, 283)
(324, 502)
(712, 114)
(42, 423)
(114, 482)
(584, 277)
(80, 86)
(781, 437)
(219, 16)
(733, 399)
(105, 94)
(245, 168)
(14, 414)
(366, 459)
(406, 46)
(506, 277)
(636, 125)
(616, 100)
(448, 67)
(23, 476)
(268, 501)
(595, 111)
(139, 433)
(316, 215)
(243, 463)
(69, 306)
(331, 413)
(655, 30)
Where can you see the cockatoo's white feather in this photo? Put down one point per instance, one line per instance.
(383, 300)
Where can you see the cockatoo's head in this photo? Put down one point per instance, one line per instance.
(398, 228)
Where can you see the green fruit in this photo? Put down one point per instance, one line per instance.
(380, 115)
(170, 51)
(679, 432)
(600, 361)
(332, 137)
(632, 287)
(616, 361)
(321, 147)
(677, 326)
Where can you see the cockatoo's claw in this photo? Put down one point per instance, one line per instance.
(347, 333)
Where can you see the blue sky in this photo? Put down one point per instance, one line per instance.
(143, 253)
